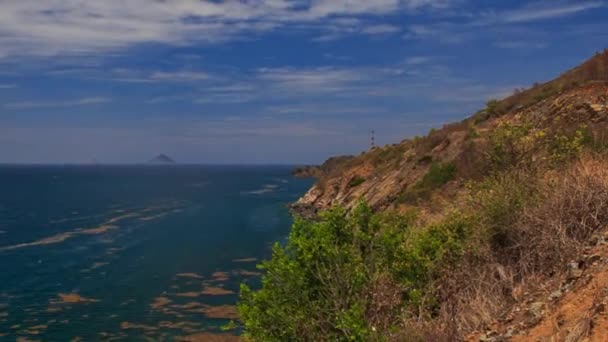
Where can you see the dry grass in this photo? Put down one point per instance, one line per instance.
(571, 206)
(575, 207)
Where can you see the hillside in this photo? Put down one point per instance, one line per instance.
(323, 170)
(491, 229)
(392, 176)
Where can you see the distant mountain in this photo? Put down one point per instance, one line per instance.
(162, 159)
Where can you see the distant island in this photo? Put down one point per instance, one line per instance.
(161, 159)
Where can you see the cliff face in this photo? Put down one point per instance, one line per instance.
(323, 170)
(405, 174)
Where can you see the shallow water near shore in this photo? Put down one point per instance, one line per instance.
(123, 252)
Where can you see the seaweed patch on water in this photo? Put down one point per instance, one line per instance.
(53, 309)
(189, 275)
(245, 260)
(209, 337)
(190, 294)
(66, 299)
(58, 238)
(207, 291)
(219, 312)
(216, 291)
(73, 298)
(188, 327)
(187, 306)
(246, 273)
(106, 336)
(160, 302)
(220, 276)
(35, 330)
(103, 228)
(129, 325)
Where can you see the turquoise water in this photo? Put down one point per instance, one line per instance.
(131, 252)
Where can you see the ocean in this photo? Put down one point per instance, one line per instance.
(134, 252)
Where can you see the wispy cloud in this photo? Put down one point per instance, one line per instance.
(8, 86)
(417, 60)
(548, 10)
(32, 27)
(55, 104)
(128, 75)
(520, 44)
(507, 27)
(179, 76)
(381, 29)
(314, 79)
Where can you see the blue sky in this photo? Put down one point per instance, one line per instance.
(266, 81)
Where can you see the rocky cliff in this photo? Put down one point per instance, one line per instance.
(393, 176)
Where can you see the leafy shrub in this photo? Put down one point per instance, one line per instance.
(387, 155)
(510, 145)
(349, 277)
(438, 175)
(492, 107)
(356, 181)
(563, 147)
(497, 203)
(472, 133)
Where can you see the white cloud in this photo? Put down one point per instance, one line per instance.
(548, 10)
(55, 104)
(51, 27)
(321, 78)
(503, 28)
(417, 60)
(179, 76)
(381, 29)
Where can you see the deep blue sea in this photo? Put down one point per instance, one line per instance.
(129, 252)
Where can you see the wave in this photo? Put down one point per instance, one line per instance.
(267, 188)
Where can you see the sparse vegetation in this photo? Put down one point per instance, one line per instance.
(370, 276)
(438, 175)
(509, 224)
(356, 181)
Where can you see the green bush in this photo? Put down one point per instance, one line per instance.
(438, 175)
(322, 285)
(472, 133)
(510, 146)
(492, 108)
(497, 203)
(356, 181)
(563, 147)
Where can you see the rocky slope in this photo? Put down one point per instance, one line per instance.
(568, 308)
(390, 177)
(552, 137)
